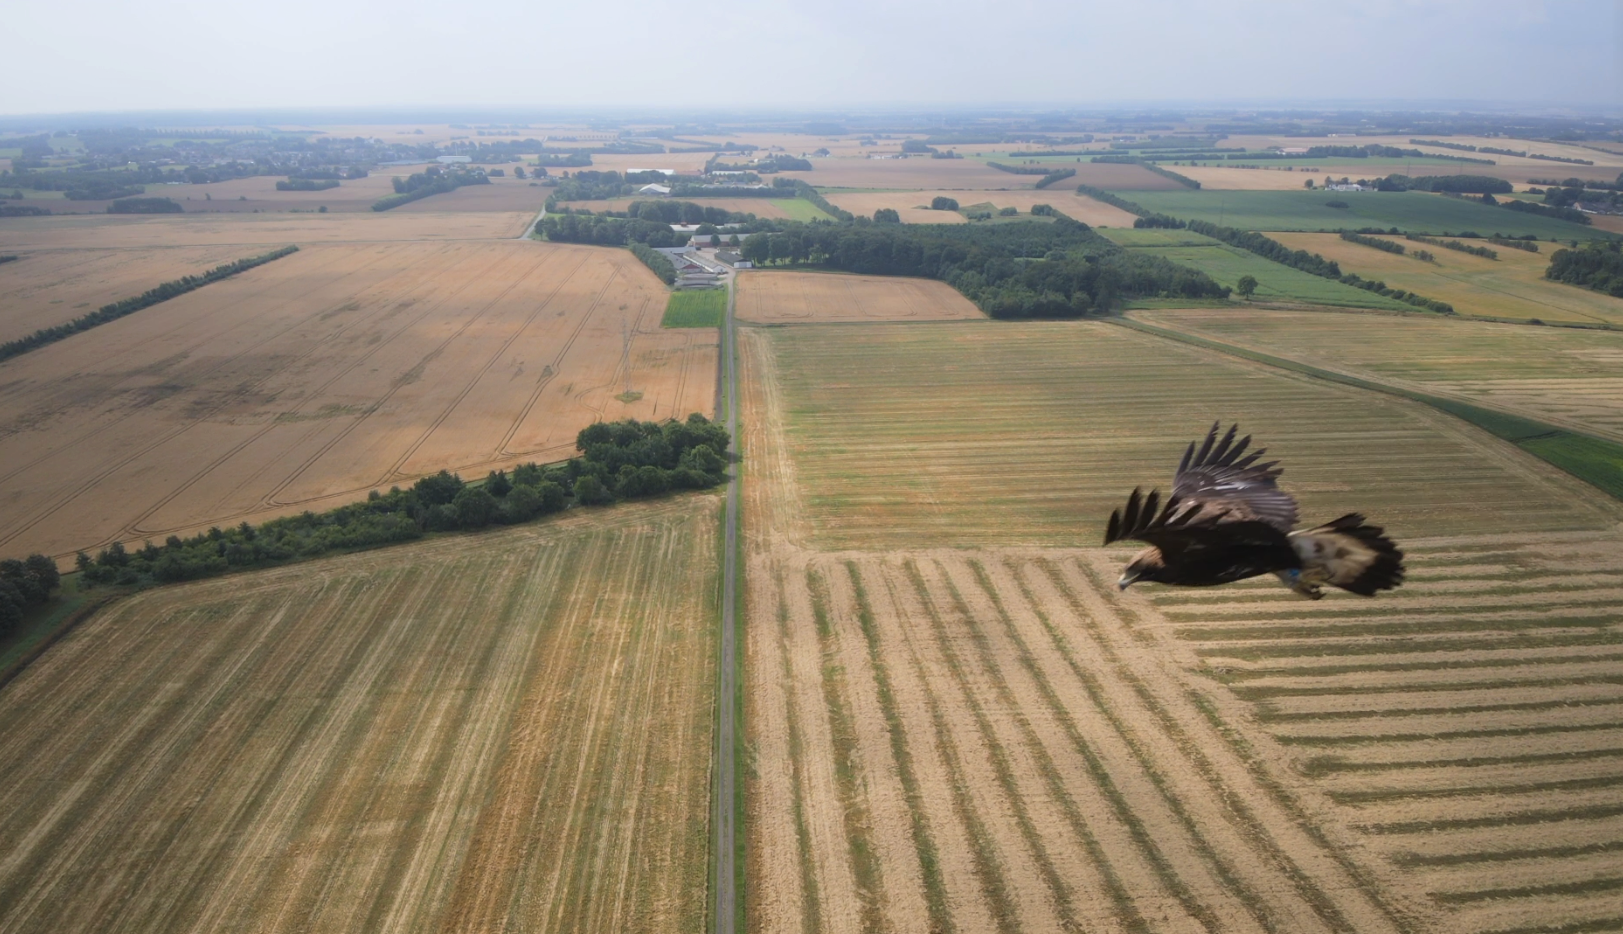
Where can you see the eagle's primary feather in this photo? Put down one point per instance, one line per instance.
(1227, 519)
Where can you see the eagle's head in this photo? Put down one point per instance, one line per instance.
(1147, 565)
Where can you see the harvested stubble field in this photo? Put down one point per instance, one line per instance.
(340, 369)
(1513, 286)
(508, 731)
(788, 297)
(19, 234)
(1563, 376)
(46, 288)
(913, 206)
(956, 727)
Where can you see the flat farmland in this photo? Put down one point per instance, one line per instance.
(784, 297)
(1411, 211)
(166, 230)
(959, 724)
(501, 195)
(1275, 282)
(913, 206)
(908, 436)
(259, 193)
(46, 288)
(508, 731)
(1513, 286)
(1568, 377)
(340, 369)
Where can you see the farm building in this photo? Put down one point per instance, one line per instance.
(654, 189)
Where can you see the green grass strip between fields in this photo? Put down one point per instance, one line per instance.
(1596, 461)
(703, 308)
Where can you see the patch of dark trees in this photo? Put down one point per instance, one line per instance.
(1059, 175)
(1598, 266)
(434, 181)
(1373, 242)
(145, 206)
(307, 184)
(129, 306)
(24, 583)
(1461, 247)
(657, 262)
(619, 461)
(1018, 270)
(1458, 184)
(22, 210)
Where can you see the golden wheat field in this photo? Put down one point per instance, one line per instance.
(343, 368)
(45, 288)
(169, 230)
(505, 731)
(1559, 375)
(786, 297)
(957, 723)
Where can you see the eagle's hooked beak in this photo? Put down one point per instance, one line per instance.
(1127, 578)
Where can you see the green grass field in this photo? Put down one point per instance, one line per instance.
(1226, 264)
(1414, 212)
(699, 309)
(799, 209)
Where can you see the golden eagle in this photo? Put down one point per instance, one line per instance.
(1227, 520)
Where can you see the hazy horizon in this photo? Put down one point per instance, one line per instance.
(361, 55)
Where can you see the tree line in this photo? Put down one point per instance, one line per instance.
(656, 261)
(129, 306)
(307, 184)
(145, 206)
(1460, 246)
(619, 461)
(1458, 184)
(434, 181)
(1373, 242)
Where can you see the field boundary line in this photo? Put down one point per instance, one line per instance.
(727, 906)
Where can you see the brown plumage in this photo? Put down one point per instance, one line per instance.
(1227, 520)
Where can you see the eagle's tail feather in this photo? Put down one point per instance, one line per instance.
(1350, 554)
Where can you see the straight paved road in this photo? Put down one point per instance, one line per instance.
(726, 844)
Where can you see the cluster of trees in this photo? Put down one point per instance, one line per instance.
(1528, 244)
(1598, 266)
(887, 216)
(24, 583)
(1024, 169)
(943, 203)
(1389, 152)
(592, 186)
(145, 206)
(685, 212)
(434, 181)
(1459, 184)
(1569, 194)
(99, 190)
(307, 184)
(619, 460)
(608, 231)
(1572, 215)
(654, 260)
(129, 306)
(22, 210)
(565, 160)
(1375, 242)
(1459, 246)
(1380, 288)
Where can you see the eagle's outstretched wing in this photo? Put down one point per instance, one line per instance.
(1222, 482)
(1178, 530)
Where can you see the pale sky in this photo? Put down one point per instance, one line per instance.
(113, 55)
